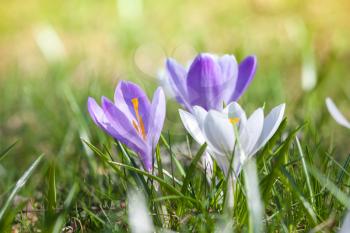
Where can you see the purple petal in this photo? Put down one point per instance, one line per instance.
(125, 131)
(96, 113)
(229, 70)
(124, 93)
(177, 74)
(204, 82)
(157, 117)
(229, 67)
(99, 117)
(246, 73)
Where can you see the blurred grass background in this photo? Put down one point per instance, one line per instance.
(53, 54)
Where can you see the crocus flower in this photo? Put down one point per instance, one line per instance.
(132, 119)
(210, 81)
(336, 114)
(219, 130)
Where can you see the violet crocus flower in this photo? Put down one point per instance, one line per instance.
(211, 81)
(132, 119)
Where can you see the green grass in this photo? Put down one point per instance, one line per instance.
(303, 183)
(58, 170)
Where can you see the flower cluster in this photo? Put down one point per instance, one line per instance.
(208, 90)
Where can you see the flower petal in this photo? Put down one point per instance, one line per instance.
(271, 124)
(126, 133)
(234, 110)
(200, 114)
(336, 114)
(219, 133)
(191, 125)
(250, 134)
(96, 113)
(124, 93)
(177, 74)
(204, 82)
(229, 67)
(222, 161)
(99, 117)
(229, 71)
(246, 72)
(157, 117)
(207, 164)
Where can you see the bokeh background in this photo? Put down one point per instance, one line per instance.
(54, 54)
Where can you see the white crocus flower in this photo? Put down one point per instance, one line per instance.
(217, 129)
(336, 114)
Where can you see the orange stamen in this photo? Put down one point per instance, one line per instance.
(234, 120)
(135, 125)
(140, 127)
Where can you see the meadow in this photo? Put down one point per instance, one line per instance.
(59, 172)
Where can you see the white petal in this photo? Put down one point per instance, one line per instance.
(139, 218)
(221, 160)
(234, 110)
(336, 114)
(207, 163)
(237, 165)
(271, 124)
(200, 114)
(251, 132)
(248, 138)
(219, 133)
(192, 127)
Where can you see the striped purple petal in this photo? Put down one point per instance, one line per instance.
(123, 96)
(204, 82)
(246, 72)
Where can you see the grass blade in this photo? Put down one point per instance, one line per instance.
(177, 162)
(327, 183)
(51, 193)
(192, 167)
(5, 152)
(20, 183)
(308, 182)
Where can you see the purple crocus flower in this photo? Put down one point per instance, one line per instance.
(210, 81)
(132, 119)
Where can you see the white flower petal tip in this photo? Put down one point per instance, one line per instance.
(271, 125)
(200, 114)
(191, 125)
(138, 214)
(251, 132)
(336, 114)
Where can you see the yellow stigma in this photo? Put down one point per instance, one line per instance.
(234, 120)
(140, 126)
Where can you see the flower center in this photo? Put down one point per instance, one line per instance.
(234, 120)
(139, 126)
